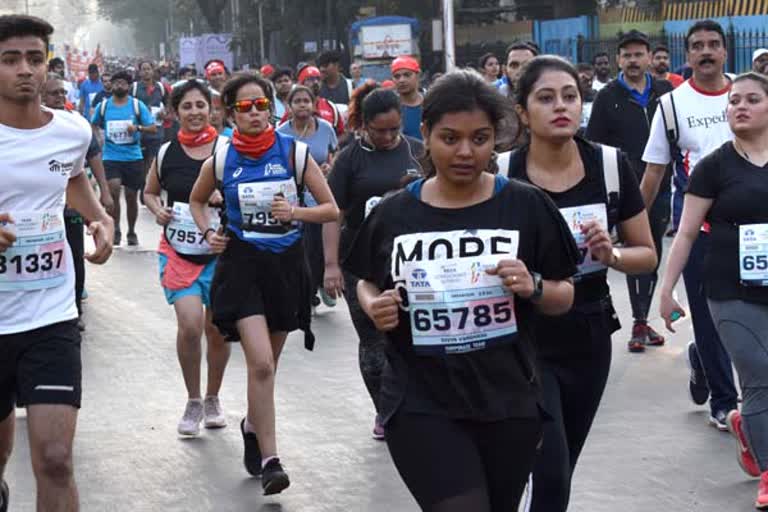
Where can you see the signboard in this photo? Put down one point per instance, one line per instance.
(199, 50)
(386, 41)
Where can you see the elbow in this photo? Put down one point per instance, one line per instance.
(333, 214)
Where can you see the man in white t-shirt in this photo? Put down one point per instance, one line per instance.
(42, 168)
(698, 107)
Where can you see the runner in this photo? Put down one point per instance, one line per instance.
(56, 65)
(88, 91)
(760, 61)
(187, 265)
(697, 110)
(460, 403)
(602, 64)
(152, 93)
(621, 118)
(106, 81)
(356, 75)
(318, 134)
(510, 135)
(660, 67)
(336, 88)
(123, 118)
(260, 290)
(309, 76)
(216, 73)
(406, 73)
(729, 190)
(42, 166)
(364, 171)
(594, 200)
(586, 77)
(489, 67)
(283, 80)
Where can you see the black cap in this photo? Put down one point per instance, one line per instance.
(634, 36)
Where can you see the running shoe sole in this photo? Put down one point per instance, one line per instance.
(215, 423)
(189, 433)
(636, 348)
(699, 393)
(277, 484)
(740, 446)
(722, 427)
(761, 506)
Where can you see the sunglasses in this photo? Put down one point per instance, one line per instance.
(243, 106)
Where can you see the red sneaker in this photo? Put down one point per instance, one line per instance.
(761, 503)
(639, 338)
(654, 339)
(745, 458)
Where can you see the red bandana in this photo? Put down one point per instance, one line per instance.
(196, 139)
(254, 146)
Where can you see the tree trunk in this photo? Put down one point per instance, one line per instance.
(213, 10)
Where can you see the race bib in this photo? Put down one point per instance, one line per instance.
(576, 217)
(182, 232)
(117, 132)
(753, 254)
(453, 304)
(370, 204)
(38, 258)
(256, 207)
(157, 111)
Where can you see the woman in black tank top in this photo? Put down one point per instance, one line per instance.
(186, 261)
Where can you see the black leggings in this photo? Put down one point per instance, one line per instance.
(463, 465)
(313, 252)
(76, 240)
(572, 389)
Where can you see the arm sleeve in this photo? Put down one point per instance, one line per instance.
(704, 180)
(339, 177)
(657, 150)
(630, 196)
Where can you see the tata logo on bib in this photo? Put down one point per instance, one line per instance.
(275, 170)
(419, 279)
(61, 168)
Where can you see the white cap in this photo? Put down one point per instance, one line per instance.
(759, 53)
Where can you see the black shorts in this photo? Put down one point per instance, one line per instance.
(251, 282)
(41, 366)
(131, 174)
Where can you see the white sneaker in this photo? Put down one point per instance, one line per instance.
(189, 425)
(214, 416)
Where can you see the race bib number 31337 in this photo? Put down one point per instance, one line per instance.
(454, 305)
(37, 260)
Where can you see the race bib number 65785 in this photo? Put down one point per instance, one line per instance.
(753, 254)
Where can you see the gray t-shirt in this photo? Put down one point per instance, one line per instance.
(322, 143)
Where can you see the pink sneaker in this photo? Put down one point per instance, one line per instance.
(761, 503)
(745, 458)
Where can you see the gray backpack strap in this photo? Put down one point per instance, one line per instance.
(669, 115)
(103, 110)
(134, 89)
(159, 160)
(137, 111)
(220, 159)
(300, 161)
(502, 161)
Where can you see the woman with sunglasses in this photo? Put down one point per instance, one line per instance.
(362, 174)
(260, 291)
(186, 263)
(319, 135)
(455, 268)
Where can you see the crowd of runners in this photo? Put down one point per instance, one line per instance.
(468, 221)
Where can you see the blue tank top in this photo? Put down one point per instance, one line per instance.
(249, 186)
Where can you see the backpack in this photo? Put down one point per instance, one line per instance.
(159, 85)
(164, 149)
(103, 110)
(669, 116)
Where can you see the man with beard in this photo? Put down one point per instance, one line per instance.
(405, 73)
(283, 80)
(310, 76)
(660, 67)
(123, 119)
(760, 61)
(620, 117)
(691, 123)
(602, 65)
(56, 65)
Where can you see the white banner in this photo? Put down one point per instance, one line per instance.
(386, 41)
(199, 50)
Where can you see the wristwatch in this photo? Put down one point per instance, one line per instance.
(615, 257)
(538, 287)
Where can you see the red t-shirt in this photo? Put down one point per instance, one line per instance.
(675, 80)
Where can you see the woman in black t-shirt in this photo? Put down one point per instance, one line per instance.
(574, 350)
(454, 270)
(729, 189)
(364, 171)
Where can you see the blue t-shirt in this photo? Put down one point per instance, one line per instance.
(411, 121)
(89, 90)
(119, 146)
(227, 132)
(321, 144)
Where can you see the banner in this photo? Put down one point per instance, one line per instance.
(199, 50)
(78, 60)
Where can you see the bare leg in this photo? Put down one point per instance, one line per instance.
(217, 354)
(51, 434)
(189, 316)
(7, 429)
(114, 189)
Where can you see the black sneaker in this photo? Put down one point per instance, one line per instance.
(719, 420)
(251, 452)
(697, 381)
(117, 239)
(133, 240)
(4, 492)
(274, 479)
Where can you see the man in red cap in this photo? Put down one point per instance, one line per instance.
(310, 76)
(216, 74)
(406, 73)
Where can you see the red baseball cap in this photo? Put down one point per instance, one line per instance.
(267, 70)
(309, 72)
(405, 62)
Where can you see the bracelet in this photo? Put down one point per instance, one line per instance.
(205, 234)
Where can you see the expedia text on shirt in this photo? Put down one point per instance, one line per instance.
(707, 121)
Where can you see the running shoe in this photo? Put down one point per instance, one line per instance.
(654, 338)
(639, 338)
(274, 479)
(761, 503)
(378, 429)
(117, 239)
(189, 425)
(132, 239)
(719, 420)
(327, 299)
(251, 451)
(745, 458)
(697, 381)
(214, 415)
(4, 496)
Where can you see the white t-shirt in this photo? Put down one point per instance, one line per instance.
(597, 84)
(36, 167)
(702, 125)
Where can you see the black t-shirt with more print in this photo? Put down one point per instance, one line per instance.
(485, 384)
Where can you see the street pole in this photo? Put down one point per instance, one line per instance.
(261, 32)
(449, 47)
(26, 7)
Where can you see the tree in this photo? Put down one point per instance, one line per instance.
(213, 11)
